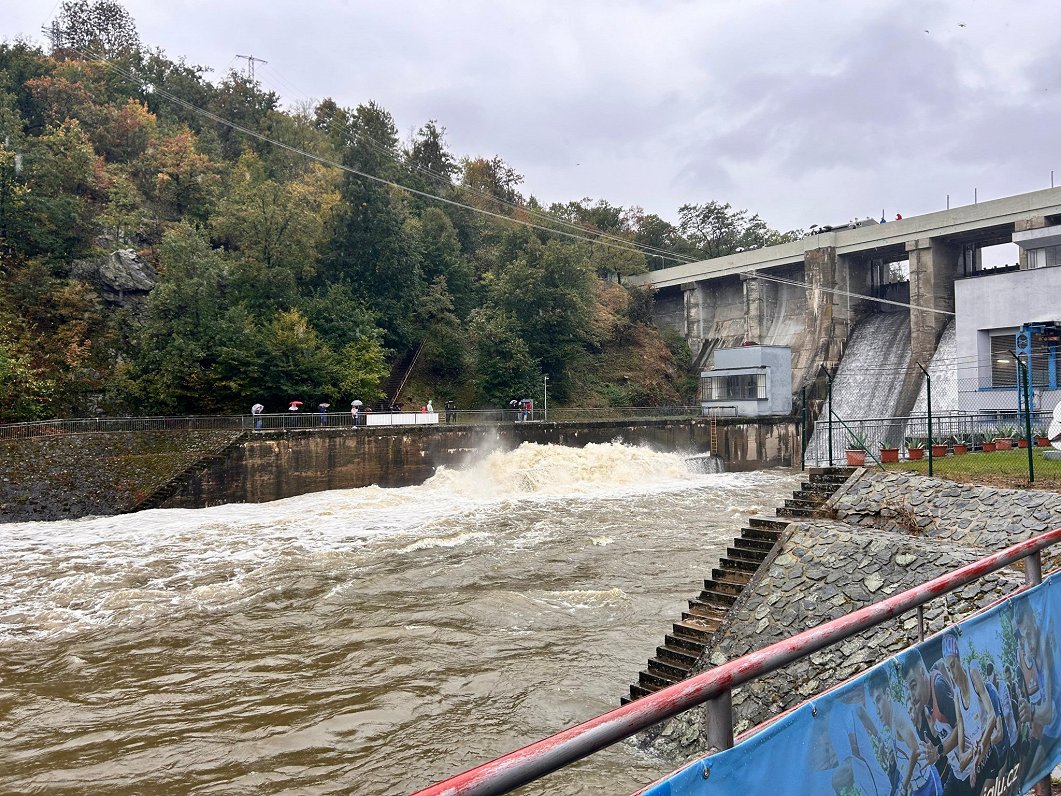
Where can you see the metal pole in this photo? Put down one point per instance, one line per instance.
(803, 432)
(1033, 569)
(1026, 386)
(719, 729)
(921, 622)
(829, 401)
(928, 400)
(545, 405)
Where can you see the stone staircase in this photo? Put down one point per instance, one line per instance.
(691, 638)
(169, 487)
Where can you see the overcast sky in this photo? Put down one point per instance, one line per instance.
(803, 112)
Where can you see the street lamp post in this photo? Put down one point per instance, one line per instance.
(545, 403)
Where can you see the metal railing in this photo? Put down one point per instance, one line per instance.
(308, 420)
(713, 687)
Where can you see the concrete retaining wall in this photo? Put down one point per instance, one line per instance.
(278, 464)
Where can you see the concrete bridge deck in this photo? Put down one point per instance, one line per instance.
(986, 221)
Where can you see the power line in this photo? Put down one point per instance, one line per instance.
(150, 88)
(838, 291)
(389, 151)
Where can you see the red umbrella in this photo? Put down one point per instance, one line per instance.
(296, 403)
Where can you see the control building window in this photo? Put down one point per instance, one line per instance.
(743, 387)
(1003, 366)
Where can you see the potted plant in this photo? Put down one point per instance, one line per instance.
(1039, 435)
(856, 449)
(887, 453)
(915, 448)
(960, 444)
(1004, 436)
(939, 450)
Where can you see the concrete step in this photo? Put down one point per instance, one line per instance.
(690, 645)
(636, 692)
(811, 496)
(834, 471)
(657, 679)
(709, 596)
(695, 630)
(749, 543)
(760, 533)
(707, 611)
(743, 554)
(797, 513)
(767, 523)
(739, 564)
(738, 577)
(722, 587)
(679, 655)
(664, 668)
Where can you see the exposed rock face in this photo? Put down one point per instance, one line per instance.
(894, 531)
(122, 278)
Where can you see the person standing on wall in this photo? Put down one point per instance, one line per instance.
(257, 410)
(451, 412)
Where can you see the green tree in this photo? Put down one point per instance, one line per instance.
(197, 352)
(549, 292)
(94, 28)
(298, 364)
(716, 229)
(504, 367)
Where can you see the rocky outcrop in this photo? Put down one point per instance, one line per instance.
(122, 278)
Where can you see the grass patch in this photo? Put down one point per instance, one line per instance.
(1000, 468)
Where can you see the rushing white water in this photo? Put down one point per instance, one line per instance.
(867, 384)
(358, 641)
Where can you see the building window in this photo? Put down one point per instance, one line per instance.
(1045, 365)
(1047, 257)
(1003, 366)
(743, 387)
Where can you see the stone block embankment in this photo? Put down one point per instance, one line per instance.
(892, 532)
(74, 475)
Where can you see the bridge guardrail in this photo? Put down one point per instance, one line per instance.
(309, 419)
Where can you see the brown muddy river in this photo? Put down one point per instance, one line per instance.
(366, 641)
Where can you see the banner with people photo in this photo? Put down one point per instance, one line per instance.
(973, 711)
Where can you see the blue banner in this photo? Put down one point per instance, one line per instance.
(973, 711)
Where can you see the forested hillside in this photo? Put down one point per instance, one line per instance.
(155, 258)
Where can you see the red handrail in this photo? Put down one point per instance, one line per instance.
(545, 756)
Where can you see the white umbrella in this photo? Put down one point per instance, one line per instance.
(356, 403)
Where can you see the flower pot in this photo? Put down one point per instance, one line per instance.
(938, 451)
(1003, 443)
(989, 446)
(914, 454)
(1022, 442)
(855, 458)
(888, 455)
(1042, 442)
(961, 450)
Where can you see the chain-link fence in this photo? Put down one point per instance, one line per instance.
(965, 426)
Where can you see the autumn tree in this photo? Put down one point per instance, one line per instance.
(94, 29)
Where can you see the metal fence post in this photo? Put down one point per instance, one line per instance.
(719, 721)
(829, 403)
(1025, 386)
(803, 431)
(928, 402)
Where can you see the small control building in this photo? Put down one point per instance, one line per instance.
(749, 381)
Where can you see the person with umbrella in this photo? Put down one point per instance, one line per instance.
(292, 410)
(322, 410)
(355, 411)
